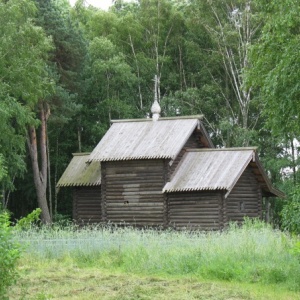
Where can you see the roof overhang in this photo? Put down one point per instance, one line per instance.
(261, 175)
(80, 172)
(218, 169)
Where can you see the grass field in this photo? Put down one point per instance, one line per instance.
(54, 279)
(252, 262)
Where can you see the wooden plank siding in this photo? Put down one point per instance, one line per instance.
(245, 198)
(132, 192)
(196, 210)
(87, 204)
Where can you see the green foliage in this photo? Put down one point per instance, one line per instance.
(111, 73)
(26, 223)
(230, 29)
(3, 170)
(275, 68)
(291, 213)
(296, 250)
(23, 80)
(92, 66)
(62, 220)
(9, 255)
(24, 47)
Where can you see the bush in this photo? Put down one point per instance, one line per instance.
(9, 253)
(296, 250)
(25, 223)
(291, 213)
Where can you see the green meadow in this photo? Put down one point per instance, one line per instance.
(249, 262)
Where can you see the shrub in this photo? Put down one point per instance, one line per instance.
(9, 253)
(296, 250)
(291, 213)
(26, 222)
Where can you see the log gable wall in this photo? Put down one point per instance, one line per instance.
(245, 198)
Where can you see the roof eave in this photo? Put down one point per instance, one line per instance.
(276, 193)
(270, 187)
(106, 159)
(77, 184)
(184, 190)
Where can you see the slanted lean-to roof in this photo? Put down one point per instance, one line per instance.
(145, 139)
(215, 169)
(80, 172)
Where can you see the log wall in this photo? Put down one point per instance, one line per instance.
(196, 210)
(132, 192)
(245, 198)
(87, 204)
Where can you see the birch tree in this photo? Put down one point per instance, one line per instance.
(233, 30)
(276, 65)
(275, 74)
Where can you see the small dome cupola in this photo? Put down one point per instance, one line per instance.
(155, 108)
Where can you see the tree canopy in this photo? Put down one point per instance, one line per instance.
(276, 61)
(65, 72)
(23, 80)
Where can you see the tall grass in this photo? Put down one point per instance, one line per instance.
(251, 253)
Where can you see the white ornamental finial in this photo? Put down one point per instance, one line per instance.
(155, 108)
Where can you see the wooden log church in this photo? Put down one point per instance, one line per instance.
(166, 172)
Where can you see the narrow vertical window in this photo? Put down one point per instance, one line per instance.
(241, 206)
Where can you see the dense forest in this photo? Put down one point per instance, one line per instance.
(66, 71)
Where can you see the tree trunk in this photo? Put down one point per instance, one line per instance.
(40, 169)
(49, 180)
(293, 161)
(3, 198)
(79, 138)
(138, 73)
(55, 177)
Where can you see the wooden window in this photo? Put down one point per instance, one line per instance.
(242, 206)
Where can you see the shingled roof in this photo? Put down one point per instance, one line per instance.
(216, 169)
(145, 139)
(80, 172)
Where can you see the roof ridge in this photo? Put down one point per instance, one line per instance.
(199, 117)
(81, 153)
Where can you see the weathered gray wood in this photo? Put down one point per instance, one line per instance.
(245, 199)
(87, 204)
(260, 211)
(200, 209)
(133, 192)
(193, 142)
(103, 189)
